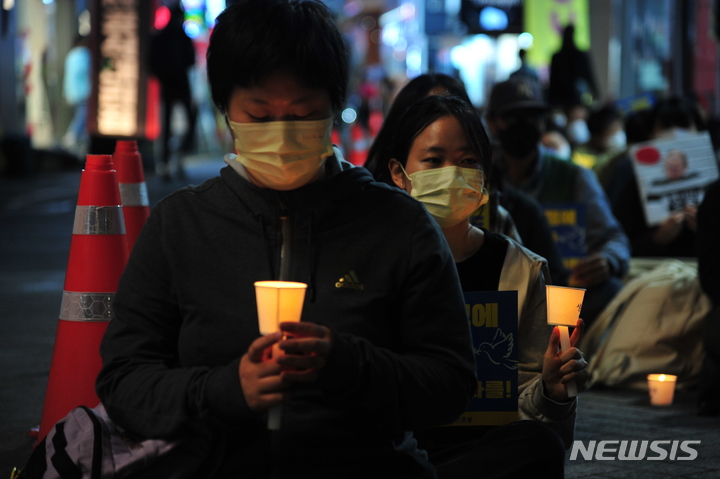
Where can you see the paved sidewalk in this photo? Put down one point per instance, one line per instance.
(36, 216)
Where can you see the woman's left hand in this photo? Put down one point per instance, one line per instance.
(305, 347)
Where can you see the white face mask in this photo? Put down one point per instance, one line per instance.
(283, 155)
(450, 194)
(578, 132)
(562, 151)
(618, 140)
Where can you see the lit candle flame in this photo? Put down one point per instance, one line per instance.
(661, 378)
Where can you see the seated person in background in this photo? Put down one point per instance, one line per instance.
(371, 360)
(577, 130)
(440, 155)
(675, 236)
(532, 226)
(555, 141)
(607, 139)
(505, 202)
(515, 118)
(708, 256)
(637, 130)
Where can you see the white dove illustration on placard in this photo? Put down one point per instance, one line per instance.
(499, 349)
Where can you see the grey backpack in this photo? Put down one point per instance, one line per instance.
(86, 444)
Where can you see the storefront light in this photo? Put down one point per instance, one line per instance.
(352, 8)
(492, 18)
(368, 23)
(192, 28)
(391, 34)
(162, 17)
(400, 45)
(413, 62)
(459, 55)
(84, 25)
(407, 11)
(525, 40)
(213, 8)
(349, 115)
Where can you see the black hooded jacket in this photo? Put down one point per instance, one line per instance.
(379, 274)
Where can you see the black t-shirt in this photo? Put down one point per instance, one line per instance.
(482, 271)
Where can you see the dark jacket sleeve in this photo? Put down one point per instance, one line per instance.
(605, 235)
(708, 239)
(141, 384)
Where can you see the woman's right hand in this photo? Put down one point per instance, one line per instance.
(670, 228)
(260, 377)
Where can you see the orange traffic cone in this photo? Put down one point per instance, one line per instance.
(360, 145)
(98, 253)
(336, 138)
(133, 190)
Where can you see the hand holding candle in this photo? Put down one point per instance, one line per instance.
(563, 310)
(278, 302)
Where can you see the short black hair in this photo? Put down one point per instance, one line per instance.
(253, 39)
(678, 112)
(600, 120)
(416, 89)
(426, 111)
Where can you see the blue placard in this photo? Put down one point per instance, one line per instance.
(568, 223)
(493, 319)
(641, 101)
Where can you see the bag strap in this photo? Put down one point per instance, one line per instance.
(52, 458)
(61, 461)
(97, 456)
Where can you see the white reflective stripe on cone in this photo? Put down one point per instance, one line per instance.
(134, 194)
(98, 220)
(86, 306)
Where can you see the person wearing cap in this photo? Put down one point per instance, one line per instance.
(383, 346)
(515, 118)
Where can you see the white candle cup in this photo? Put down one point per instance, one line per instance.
(278, 302)
(661, 388)
(563, 309)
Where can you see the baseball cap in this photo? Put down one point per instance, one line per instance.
(514, 95)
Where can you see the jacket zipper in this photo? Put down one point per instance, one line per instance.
(284, 275)
(286, 239)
